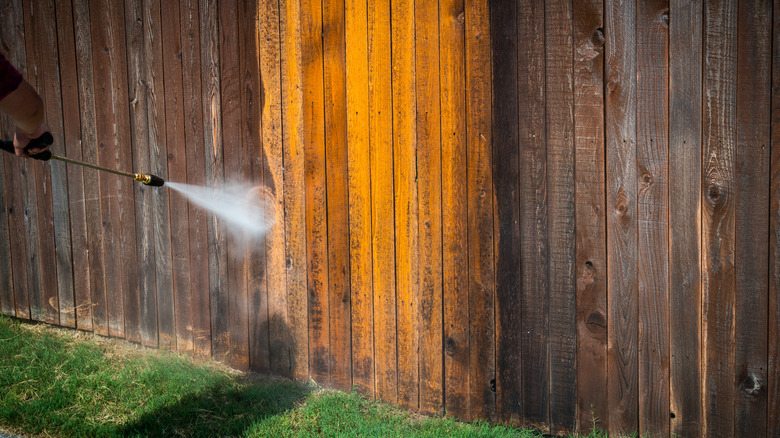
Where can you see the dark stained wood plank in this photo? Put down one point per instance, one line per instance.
(316, 192)
(621, 212)
(482, 368)
(214, 172)
(534, 248)
(560, 215)
(383, 245)
(751, 187)
(405, 194)
(137, 77)
(685, 119)
(196, 175)
(294, 188)
(429, 207)
(359, 176)
(590, 202)
(773, 341)
(718, 240)
(455, 268)
(506, 210)
(337, 211)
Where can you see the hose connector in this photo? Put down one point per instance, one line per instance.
(149, 180)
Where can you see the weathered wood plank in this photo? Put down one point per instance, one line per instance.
(429, 206)
(718, 155)
(359, 178)
(591, 238)
(621, 212)
(405, 196)
(383, 244)
(452, 40)
(685, 121)
(751, 203)
(773, 341)
(482, 368)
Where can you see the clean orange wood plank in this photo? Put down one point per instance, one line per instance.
(383, 244)
(454, 207)
(621, 212)
(177, 171)
(405, 188)
(139, 125)
(214, 171)
(534, 245)
(429, 206)
(316, 219)
(480, 211)
(196, 174)
(360, 260)
(591, 238)
(718, 154)
(773, 341)
(652, 215)
(751, 187)
(294, 188)
(685, 116)
(334, 62)
(269, 38)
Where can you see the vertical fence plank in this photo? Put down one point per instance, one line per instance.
(214, 172)
(144, 332)
(177, 172)
(316, 220)
(359, 178)
(685, 121)
(480, 212)
(591, 239)
(506, 210)
(652, 215)
(337, 211)
(773, 341)
(718, 216)
(429, 206)
(294, 186)
(622, 302)
(405, 186)
(718, 222)
(383, 246)
(454, 207)
(533, 212)
(195, 158)
(560, 214)
(751, 197)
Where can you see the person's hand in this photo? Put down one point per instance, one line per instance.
(22, 139)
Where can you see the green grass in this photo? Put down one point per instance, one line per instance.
(56, 382)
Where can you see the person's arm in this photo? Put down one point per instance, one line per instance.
(25, 108)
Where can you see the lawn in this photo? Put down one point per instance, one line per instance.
(60, 382)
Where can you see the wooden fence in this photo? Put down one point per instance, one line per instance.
(538, 212)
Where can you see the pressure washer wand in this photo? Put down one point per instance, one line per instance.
(47, 139)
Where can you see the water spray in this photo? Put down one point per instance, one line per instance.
(46, 139)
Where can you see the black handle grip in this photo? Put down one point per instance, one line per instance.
(44, 140)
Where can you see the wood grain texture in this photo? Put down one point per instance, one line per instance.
(621, 213)
(773, 341)
(751, 195)
(405, 194)
(718, 205)
(534, 247)
(316, 191)
(685, 136)
(294, 187)
(480, 212)
(359, 180)
(382, 207)
(452, 52)
(429, 207)
(590, 203)
(506, 211)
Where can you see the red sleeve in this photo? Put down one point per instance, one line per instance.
(10, 78)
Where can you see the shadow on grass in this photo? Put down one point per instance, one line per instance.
(220, 410)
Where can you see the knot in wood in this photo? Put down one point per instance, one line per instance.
(597, 37)
(647, 179)
(751, 385)
(461, 17)
(450, 346)
(713, 193)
